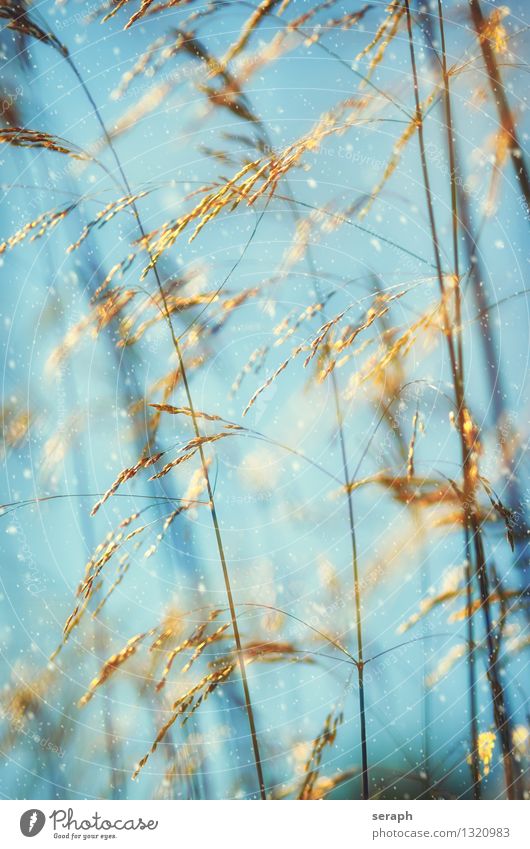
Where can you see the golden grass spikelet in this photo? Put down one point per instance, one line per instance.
(235, 301)
(419, 491)
(395, 159)
(384, 34)
(16, 426)
(470, 434)
(521, 740)
(170, 627)
(144, 8)
(103, 553)
(102, 314)
(254, 363)
(271, 652)
(208, 208)
(117, 270)
(141, 65)
(272, 377)
(494, 31)
(21, 703)
(256, 60)
(445, 665)
(325, 784)
(375, 312)
(105, 215)
(196, 487)
(109, 309)
(42, 224)
(485, 746)
(326, 738)
(173, 464)
(211, 638)
(228, 99)
(377, 365)
(158, 739)
(57, 446)
(251, 24)
(412, 445)
(327, 327)
(117, 6)
(494, 598)
(254, 179)
(426, 606)
(344, 22)
(153, 548)
(146, 104)
(500, 143)
(21, 137)
(189, 450)
(285, 329)
(20, 21)
(307, 16)
(196, 640)
(304, 230)
(348, 19)
(186, 705)
(72, 622)
(199, 414)
(167, 384)
(110, 666)
(174, 304)
(125, 475)
(505, 513)
(185, 411)
(123, 567)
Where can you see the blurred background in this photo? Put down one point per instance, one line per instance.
(75, 399)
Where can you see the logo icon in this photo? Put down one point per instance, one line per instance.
(32, 822)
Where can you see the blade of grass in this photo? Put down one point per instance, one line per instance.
(468, 500)
(498, 90)
(213, 511)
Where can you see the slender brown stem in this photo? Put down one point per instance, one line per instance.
(475, 775)
(468, 501)
(353, 537)
(432, 222)
(358, 607)
(453, 177)
(500, 713)
(472, 677)
(494, 373)
(213, 512)
(499, 96)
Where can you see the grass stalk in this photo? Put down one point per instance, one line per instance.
(500, 713)
(195, 424)
(506, 118)
(471, 670)
(365, 784)
(455, 226)
(358, 601)
(471, 521)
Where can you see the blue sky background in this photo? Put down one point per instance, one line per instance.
(281, 518)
